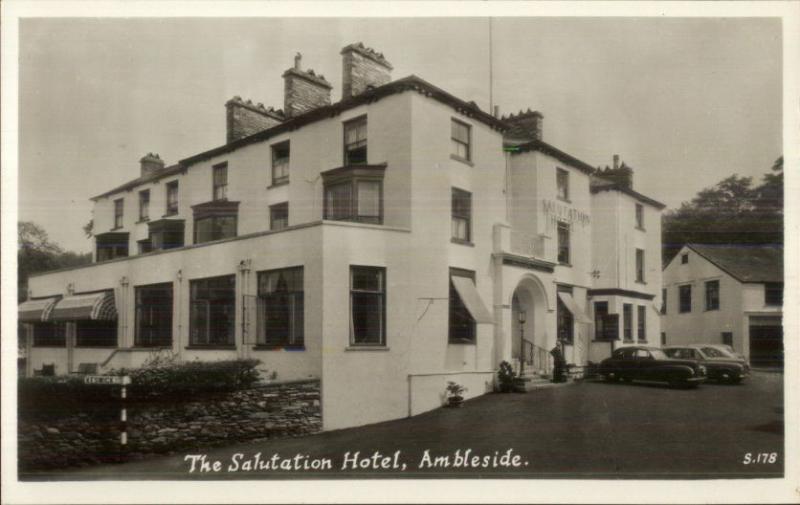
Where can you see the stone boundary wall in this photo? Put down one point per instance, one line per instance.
(91, 436)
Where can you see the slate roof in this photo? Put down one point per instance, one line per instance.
(154, 176)
(412, 82)
(745, 262)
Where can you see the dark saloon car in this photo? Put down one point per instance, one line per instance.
(642, 363)
(720, 366)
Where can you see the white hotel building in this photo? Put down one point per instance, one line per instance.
(384, 244)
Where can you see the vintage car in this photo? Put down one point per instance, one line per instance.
(720, 365)
(642, 363)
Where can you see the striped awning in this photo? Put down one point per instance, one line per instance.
(573, 307)
(34, 311)
(95, 306)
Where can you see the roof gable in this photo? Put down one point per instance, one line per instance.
(744, 262)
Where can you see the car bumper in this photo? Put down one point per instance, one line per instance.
(696, 380)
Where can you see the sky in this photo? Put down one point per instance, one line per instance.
(686, 102)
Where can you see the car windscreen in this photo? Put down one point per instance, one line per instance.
(713, 352)
(658, 354)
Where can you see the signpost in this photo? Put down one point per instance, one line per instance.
(115, 380)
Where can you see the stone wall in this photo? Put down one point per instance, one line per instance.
(82, 438)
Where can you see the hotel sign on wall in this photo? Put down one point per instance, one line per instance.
(556, 212)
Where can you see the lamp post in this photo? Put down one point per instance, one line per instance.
(521, 318)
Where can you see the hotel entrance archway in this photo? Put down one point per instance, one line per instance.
(529, 339)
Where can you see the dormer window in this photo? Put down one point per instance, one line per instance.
(354, 194)
(355, 141)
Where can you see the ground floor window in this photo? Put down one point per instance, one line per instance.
(600, 313)
(213, 311)
(641, 323)
(462, 326)
(154, 315)
(280, 307)
(627, 322)
(95, 333)
(565, 321)
(49, 334)
(727, 338)
(663, 338)
(367, 305)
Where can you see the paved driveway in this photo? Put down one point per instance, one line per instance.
(589, 430)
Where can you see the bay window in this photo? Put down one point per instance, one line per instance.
(354, 194)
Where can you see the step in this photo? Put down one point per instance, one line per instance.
(525, 384)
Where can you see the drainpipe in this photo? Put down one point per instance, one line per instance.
(69, 329)
(28, 350)
(178, 302)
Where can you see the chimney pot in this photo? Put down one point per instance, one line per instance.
(304, 90)
(616, 161)
(297, 58)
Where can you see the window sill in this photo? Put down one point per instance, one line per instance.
(277, 184)
(145, 220)
(685, 312)
(210, 347)
(115, 346)
(461, 342)
(605, 340)
(462, 160)
(569, 265)
(640, 228)
(54, 346)
(643, 283)
(366, 348)
(565, 200)
(117, 228)
(263, 347)
(711, 310)
(461, 242)
(641, 341)
(150, 347)
(170, 214)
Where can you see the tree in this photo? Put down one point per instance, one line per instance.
(88, 228)
(731, 212)
(36, 253)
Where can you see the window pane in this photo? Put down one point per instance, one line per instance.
(95, 333)
(369, 198)
(460, 132)
(563, 243)
(367, 316)
(367, 279)
(337, 201)
(154, 315)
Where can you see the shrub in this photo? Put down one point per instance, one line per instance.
(505, 377)
(165, 377)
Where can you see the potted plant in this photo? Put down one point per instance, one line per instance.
(454, 394)
(505, 377)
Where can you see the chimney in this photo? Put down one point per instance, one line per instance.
(243, 118)
(620, 174)
(151, 163)
(525, 124)
(304, 90)
(363, 68)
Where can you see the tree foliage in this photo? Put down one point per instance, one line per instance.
(36, 253)
(732, 212)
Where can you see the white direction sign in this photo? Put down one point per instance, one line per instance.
(120, 380)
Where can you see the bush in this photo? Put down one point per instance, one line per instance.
(505, 377)
(171, 379)
(159, 378)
